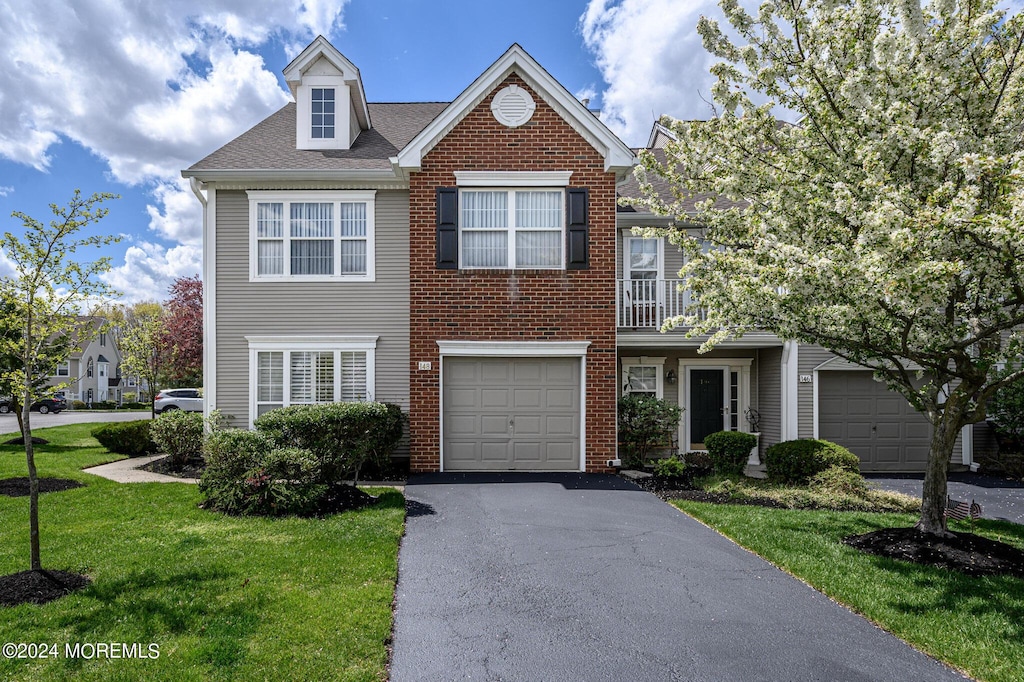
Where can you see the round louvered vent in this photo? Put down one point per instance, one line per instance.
(513, 106)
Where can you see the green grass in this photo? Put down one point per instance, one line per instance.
(975, 624)
(224, 598)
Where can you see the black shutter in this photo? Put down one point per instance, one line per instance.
(577, 230)
(447, 228)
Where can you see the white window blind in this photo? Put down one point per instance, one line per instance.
(512, 228)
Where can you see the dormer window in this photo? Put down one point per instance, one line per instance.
(322, 108)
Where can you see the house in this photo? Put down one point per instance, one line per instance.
(468, 261)
(93, 368)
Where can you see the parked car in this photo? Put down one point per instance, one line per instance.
(188, 399)
(54, 404)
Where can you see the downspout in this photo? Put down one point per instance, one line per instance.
(209, 392)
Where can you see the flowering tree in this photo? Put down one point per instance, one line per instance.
(183, 338)
(46, 292)
(888, 224)
(143, 353)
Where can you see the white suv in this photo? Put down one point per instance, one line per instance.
(188, 399)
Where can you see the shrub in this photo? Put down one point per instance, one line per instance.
(104, 405)
(78, 405)
(179, 434)
(245, 474)
(669, 467)
(126, 438)
(839, 480)
(129, 397)
(729, 451)
(342, 436)
(796, 461)
(645, 423)
(698, 463)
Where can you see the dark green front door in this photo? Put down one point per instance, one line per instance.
(707, 396)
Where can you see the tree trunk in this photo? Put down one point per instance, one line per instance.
(33, 484)
(933, 495)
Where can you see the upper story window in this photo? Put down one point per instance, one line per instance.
(312, 236)
(103, 370)
(643, 258)
(89, 368)
(103, 338)
(512, 229)
(322, 113)
(63, 369)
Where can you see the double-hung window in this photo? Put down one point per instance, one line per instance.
(512, 228)
(299, 371)
(311, 236)
(63, 369)
(643, 376)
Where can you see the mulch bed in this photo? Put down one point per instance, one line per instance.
(39, 587)
(343, 497)
(21, 441)
(18, 487)
(964, 552)
(193, 468)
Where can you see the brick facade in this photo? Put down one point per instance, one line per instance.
(520, 305)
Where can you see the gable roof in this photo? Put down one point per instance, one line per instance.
(321, 48)
(617, 156)
(269, 146)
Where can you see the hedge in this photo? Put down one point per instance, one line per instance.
(797, 461)
(126, 438)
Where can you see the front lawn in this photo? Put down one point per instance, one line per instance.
(975, 624)
(222, 597)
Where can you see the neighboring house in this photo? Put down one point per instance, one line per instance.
(93, 368)
(468, 261)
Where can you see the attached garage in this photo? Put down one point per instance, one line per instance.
(876, 424)
(511, 413)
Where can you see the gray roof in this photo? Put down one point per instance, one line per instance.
(665, 190)
(270, 144)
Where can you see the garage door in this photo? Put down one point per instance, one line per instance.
(876, 424)
(505, 414)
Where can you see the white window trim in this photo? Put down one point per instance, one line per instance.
(289, 344)
(502, 179)
(511, 229)
(644, 361)
(66, 366)
(304, 113)
(102, 370)
(627, 270)
(335, 197)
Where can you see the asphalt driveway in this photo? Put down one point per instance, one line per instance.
(1000, 498)
(576, 577)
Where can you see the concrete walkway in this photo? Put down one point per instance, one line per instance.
(128, 471)
(577, 577)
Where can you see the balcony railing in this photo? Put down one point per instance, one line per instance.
(646, 303)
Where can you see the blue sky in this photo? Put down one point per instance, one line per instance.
(119, 96)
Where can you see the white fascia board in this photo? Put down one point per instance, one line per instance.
(616, 154)
(514, 348)
(321, 47)
(264, 174)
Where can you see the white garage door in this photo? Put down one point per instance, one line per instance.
(876, 424)
(511, 414)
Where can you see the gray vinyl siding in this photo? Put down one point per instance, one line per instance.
(769, 384)
(247, 308)
(808, 357)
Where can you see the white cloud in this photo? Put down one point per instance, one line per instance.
(181, 217)
(6, 190)
(651, 57)
(149, 270)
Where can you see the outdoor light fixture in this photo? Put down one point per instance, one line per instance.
(670, 377)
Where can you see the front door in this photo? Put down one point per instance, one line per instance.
(707, 396)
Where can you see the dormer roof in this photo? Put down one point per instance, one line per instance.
(319, 49)
(617, 156)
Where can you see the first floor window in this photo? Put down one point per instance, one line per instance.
(643, 376)
(312, 235)
(286, 373)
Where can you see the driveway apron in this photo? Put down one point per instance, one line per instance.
(585, 577)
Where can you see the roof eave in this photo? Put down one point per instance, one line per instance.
(263, 174)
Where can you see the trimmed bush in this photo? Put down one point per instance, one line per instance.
(133, 405)
(839, 480)
(78, 405)
(245, 474)
(698, 463)
(729, 451)
(179, 434)
(796, 461)
(342, 436)
(104, 405)
(645, 424)
(669, 467)
(126, 438)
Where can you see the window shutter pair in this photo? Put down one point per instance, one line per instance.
(576, 233)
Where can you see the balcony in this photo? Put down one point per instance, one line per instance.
(646, 303)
